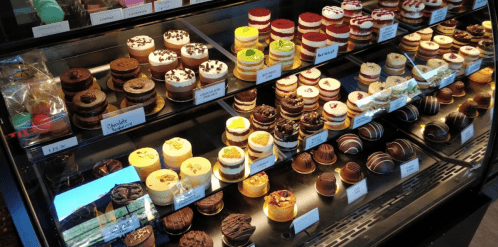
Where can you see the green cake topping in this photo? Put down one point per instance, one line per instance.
(282, 45)
(250, 55)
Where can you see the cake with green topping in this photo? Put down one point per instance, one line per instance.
(282, 51)
(249, 61)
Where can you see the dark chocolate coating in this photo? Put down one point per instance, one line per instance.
(429, 105)
(303, 163)
(324, 153)
(436, 131)
(483, 100)
(326, 184)
(350, 144)
(457, 121)
(380, 162)
(408, 113)
(371, 131)
(265, 113)
(196, 239)
(400, 149)
(179, 221)
(351, 172)
(469, 108)
(457, 88)
(237, 229)
(445, 95)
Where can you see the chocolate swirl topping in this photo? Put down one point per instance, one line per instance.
(88, 98)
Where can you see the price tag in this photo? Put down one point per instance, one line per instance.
(167, 4)
(121, 228)
(269, 73)
(388, 32)
(479, 3)
(326, 53)
(315, 140)
(447, 80)
(306, 220)
(438, 15)
(189, 197)
(474, 67)
(430, 74)
(50, 29)
(123, 121)
(106, 16)
(467, 133)
(409, 168)
(398, 103)
(198, 1)
(59, 146)
(262, 164)
(210, 92)
(356, 191)
(137, 11)
(361, 120)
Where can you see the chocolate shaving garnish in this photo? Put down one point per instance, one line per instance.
(88, 98)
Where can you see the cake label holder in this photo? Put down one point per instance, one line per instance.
(479, 4)
(398, 103)
(269, 73)
(438, 15)
(121, 228)
(209, 92)
(467, 133)
(135, 11)
(356, 191)
(50, 29)
(104, 17)
(409, 168)
(474, 67)
(300, 224)
(122, 119)
(447, 80)
(326, 53)
(265, 210)
(262, 164)
(59, 146)
(167, 5)
(388, 32)
(310, 142)
(188, 197)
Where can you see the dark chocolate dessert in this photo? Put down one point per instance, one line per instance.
(325, 154)
(457, 121)
(311, 123)
(429, 105)
(457, 89)
(143, 237)
(326, 184)
(303, 163)
(371, 131)
(106, 167)
(286, 134)
(483, 100)
(291, 107)
(123, 70)
(469, 108)
(408, 113)
(245, 101)
(125, 194)
(444, 96)
(179, 222)
(400, 149)
(196, 239)
(237, 229)
(436, 132)
(75, 80)
(264, 117)
(351, 173)
(89, 106)
(350, 144)
(380, 162)
(140, 91)
(211, 204)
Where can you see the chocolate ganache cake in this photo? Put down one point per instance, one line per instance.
(445, 96)
(179, 222)
(123, 70)
(303, 163)
(143, 237)
(457, 121)
(264, 118)
(457, 89)
(292, 107)
(429, 105)
(380, 162)
(371, 131)
(325, 154)
(125, 194)
(74, 81)
(326, 184)
(211, 204)
(237, 229)
(89, 106)
(351, 173)
(350, 144)
(286, 134)
(400, 149)
(196, 239)
(140, 91)
(311, 123)
(106, 167)
(436, 132)
(408, 113)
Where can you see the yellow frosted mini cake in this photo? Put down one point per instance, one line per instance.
(175, 151)
(237, 131)
(245, 37)
(145, 161)
(232, 162)
(249, 61)
(196, 172)
(281, 205)
(256, 185)
(161, 186)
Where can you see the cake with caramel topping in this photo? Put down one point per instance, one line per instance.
(260, 145)
(232, 162)
(281, 205)
(161, 186)
(196, 172)
(143, 237)
(175, 151)
(256, 185)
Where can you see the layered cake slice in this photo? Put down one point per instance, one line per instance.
(259, 18)
(245, 37)
(89, 106)
(292, 107)
(175, 39)
(245, 101)
(260, 145)
(329, 89)
(264, 117)
(286, 134)
(180, 84)
(284, 87)
(310, 96)
(249, 61)
(282, 51)
(338, 34)
(175, 151)
(308, 22)
(74, 81)
(140, 47)
(237, 131)
(123, 70)
(282, 29)
(334, 113)
(331, 15)
(311, 42)
(309, 77)
(232, 162)
(311, 123)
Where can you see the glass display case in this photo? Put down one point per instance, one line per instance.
(391, 130)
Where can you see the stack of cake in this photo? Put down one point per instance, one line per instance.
(331, 15)
(409, 43)
(245, 37)
(446, 28)
(282, 29)
(308, 22)
(245, 101)
(427, 50)
(391, 5)
(123, 70)
(338, 34)
(292, 107)
(351, 9)
(411, 11)
(310, 96)
(175, 151)
(89, 106)
(282, 51)
(310, 77)
(470, 55)
(361, 31)
(259, 18)
(488, 33)
(264, 118)
(193, 54)
(140, 47)
(460, 38)
(175, 39)
(162, 61)
(232, 162)
(425, 34)
(353, 98)
(444, 43)
(180, 84)
(395, 64)
(310, 43)
(76, 80)
(140, 91)
(335, 114)
(285, 87)
(311, 123)
(237, 131)
(369, 72)
(329, 89)
(477, 31)
(260, 145)
(286, 134)
(430, 6)
(249, 61)
(381, 18)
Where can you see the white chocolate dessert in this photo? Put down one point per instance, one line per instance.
(140, 47)
(196, 172)
(161, 186)
(176, 39)
(212, 71)
(175, 151)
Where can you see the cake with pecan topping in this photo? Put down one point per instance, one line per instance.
(232, 162)
(161, 186)
(175, 151)
(196, 172)
(145, 161)
(281, 205)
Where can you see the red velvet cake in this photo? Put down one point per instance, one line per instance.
(338, 34)
(282, 29)
(259, 18)
(308, 22)
(311, 42)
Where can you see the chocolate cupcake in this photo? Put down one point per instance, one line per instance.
(141, 237)
(75, 80)
(286, 135)
(469, 108)
(408, 113)
(326, 184)
(436, 132)
(237, 229)
(211, 205)
(380, 162)
(303, 163)
(264, 118)
(457, 89)
(196, 239)
(292, 107)
(483, 100)
(123, 70)
(444, 96)
(371, 131)
(457, 121)
(311, 123)
(325, 154)
(351, 173)
(125, 194)
(429, 105)
(400, 149)
(106, 167)
(178, 222)
(350, 144)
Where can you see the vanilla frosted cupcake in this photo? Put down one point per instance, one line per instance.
(395, 64)
(310, 96)
(140, 47)
(260, 145)
(175, 39)
(212, 71)
(237, 131)
(331, 15)
(162, 61)
(309, 77)
(329, 89)
(369, 72)
(175, 151)
(196, 172)
(193, 54)
(282, 51)
(161, 186)
(180, 84)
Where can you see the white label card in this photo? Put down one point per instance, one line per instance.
(326, 53)
(306, 220)
(479, 3)
(467, 133)
(388, 32)
(198, 1)
(60, 145)
(316, 139)
(210, 92)
(356, 191)
(474, 67)
(189, 197)
(438, 15)
(106, 16)
(120, 229)
(269, 73)
(262, 164)
(137, 11)
(430, 74)
(361, 120)
(398, 103)
(49, 29)
(447, 80)
(167, 4)
(409, 168)
(123, 121)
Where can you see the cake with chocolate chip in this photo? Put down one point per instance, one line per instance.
(180, 84)
(212, 71)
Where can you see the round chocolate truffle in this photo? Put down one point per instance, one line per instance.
(351, 173)
(196, 239)
(444, 96)
(371, 131)
(326, 184)
(350, 144)
(429, 105)
(483, 100)
(457, 121)
(400, 149)
(469, 108)
(237, 229)
(380, 162)
(436, 132)
(408, 113)
(457, 88)
(325, 154)
(179, 222)
(303, 163)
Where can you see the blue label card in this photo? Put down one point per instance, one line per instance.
(388, 32)
(361, 120)
(356, 191)
(209, 92)
(315, 140)
(164, 5)
(305, 221)
(261, 164)
(137, 11)
(447, 80)
(467, 133)
(106, 16)
(121, 228)
(269, 73)
(59, 146)
(398, 103)
(49, 29)
(409, 168)
(198, 1)
(438, 15)
(123, 121)
(326, 53)
(474, 67)
(189, 197)
(479, 3)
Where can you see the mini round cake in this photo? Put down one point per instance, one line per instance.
(444, 43)
(486, 48)
(259, 18)
(469, 108)
(161, 186)
(429, 105)
(411, 11)
(351, 173)
(245, 101)
(162, 61)
(400, 149)
(430, 6)
(175, 39)
(75, 80)
(310, 96)
(331, 15)
(292, 107)
(335, 114)
(426, 33)
(255, 186)
(180, 84)
(260, 145)
(232, 162)
(382, 18)
(196, 239)
(282, 51)
(427, 50)
(145, 161)
(457, 89)
(483, 100)
(477, 31)
(395, 64)
(212, 71)
(237, 131)
(249, 62)
(281, 205)
(455, 61)
(338, 34)
(179, 222)
(436, 132)
(350, 144)
(371, 131)
(303, 163)
(470, 54)
(351, 9)
(285, 87)
(326, 184)
(389, 5)
(140, 47)
(444, 96)
(286, 134)
(329, 89)
(380, 162)
(175, 151)
(460, 38)
(264, 118)
(89, 106)
(310, 43)
(311, 123)
(309, 77)
(237, 229)
(141, 237)
(369, 72)
(106, 167)
(409, 43)
(325, 154)
(245, 37)
(211, 204)
(360, 31)
(457, 121)
(125, 194)
(196, 172)
(436, 63)
(193, 54)
(282, 29)
(123, 70)
(140, 91)
(397, 85)
(446, 27)
(308, 22)
(353, 98)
